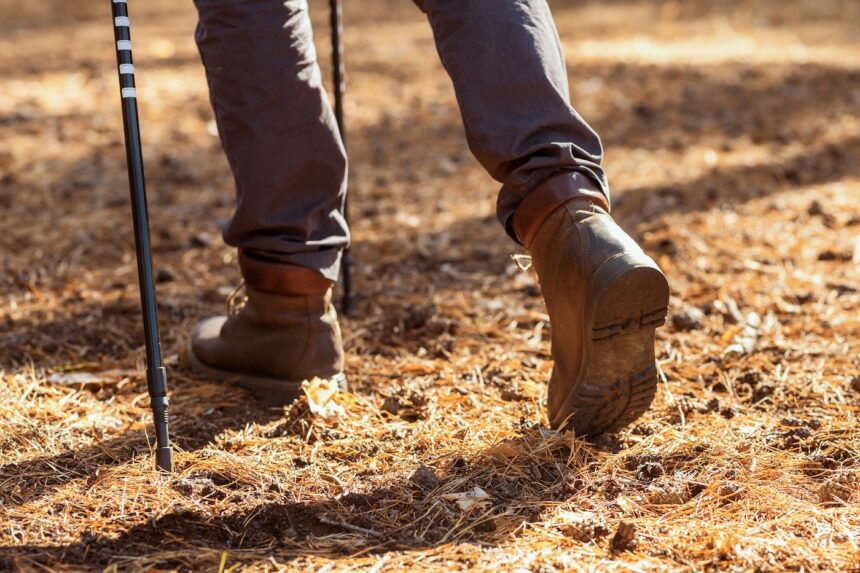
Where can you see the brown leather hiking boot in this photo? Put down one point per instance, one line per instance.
(605, 298)
(276, 341)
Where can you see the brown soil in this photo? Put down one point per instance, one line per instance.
(733, 146)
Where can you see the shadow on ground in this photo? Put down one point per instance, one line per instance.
(197, 426)
(519, 485)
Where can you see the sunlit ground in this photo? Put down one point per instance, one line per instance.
(733, 146)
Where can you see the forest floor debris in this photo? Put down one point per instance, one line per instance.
(733, 146)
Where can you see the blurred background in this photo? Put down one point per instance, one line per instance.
(699, 104)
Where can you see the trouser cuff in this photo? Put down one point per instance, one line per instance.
(277, 278)
(549, 196)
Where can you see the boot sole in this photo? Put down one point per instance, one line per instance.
(628, 300)
(272, 391)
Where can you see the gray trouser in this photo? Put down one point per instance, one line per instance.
(281, 139)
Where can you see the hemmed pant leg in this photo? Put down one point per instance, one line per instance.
(278, 132)
(506, 62)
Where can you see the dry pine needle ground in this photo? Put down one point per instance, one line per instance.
(734, 148)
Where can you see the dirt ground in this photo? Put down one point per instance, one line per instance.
(733, 147)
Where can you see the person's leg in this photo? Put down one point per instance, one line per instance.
(505, 60)
(278, 131)
(282, 143)
(604, 296)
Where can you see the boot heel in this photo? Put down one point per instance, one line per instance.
(628, 301)
(637, 298)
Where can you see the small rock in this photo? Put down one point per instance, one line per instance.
(194, 486)
(649, 471)
(762, 392)
(506, 487)
(624, 538)
(391, 404)
(607, 443)
(184, 486)
(165, 276)
(719, 386)
(532, 291)
(425, 478)
(841, 289)
(635, 461)
(201, 240)
(801, 298)
(750, 378)
(730, 492)
(645, 429)
(448, 166)
(688, 319)
(728, 307)
(509, 395)
(815, 208)
(830, 255)
(801, 433)
(575, 485)
(855, 383)
(667, 246)
(290, 533)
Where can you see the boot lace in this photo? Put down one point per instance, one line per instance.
(524, 262)
(237, 300)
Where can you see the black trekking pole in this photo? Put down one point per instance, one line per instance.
(156, 377)
(338, 81)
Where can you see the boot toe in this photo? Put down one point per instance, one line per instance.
(205, 337)
(270, 346)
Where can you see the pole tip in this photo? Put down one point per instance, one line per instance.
(347, 303)
(164, 459)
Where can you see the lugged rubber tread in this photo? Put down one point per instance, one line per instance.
(618, 379)
(651, 319)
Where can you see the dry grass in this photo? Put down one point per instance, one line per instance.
(733, 143)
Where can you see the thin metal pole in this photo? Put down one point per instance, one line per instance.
(156, 377)
(339, 73)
